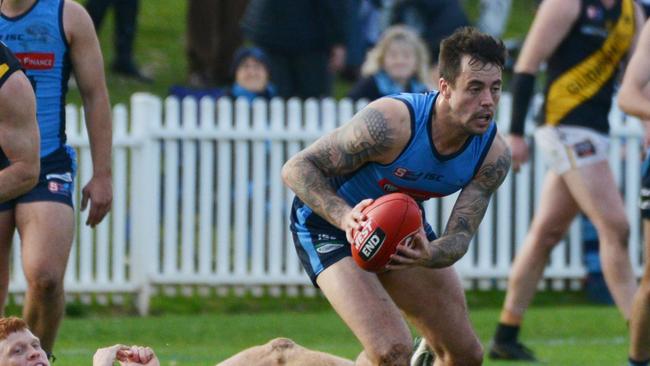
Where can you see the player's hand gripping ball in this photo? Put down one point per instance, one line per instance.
(392, 219)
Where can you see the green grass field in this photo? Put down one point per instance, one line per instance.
(562, 335)
(562, 327)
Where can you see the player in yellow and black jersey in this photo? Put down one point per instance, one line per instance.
(19, 137)
(583, 43)
(582, 70)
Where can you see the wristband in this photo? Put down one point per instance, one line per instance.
(522, 88)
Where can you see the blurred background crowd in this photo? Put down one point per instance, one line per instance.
(266, 48)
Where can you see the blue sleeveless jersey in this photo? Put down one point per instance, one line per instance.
(37, 39)
(419, 171)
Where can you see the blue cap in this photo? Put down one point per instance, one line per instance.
(244, 52)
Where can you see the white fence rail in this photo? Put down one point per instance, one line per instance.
(199, 199)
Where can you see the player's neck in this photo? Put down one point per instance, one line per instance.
(446, 135)
(12, 8)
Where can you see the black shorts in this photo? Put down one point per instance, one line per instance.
(320, 244)
(644, 202)
(55, 182)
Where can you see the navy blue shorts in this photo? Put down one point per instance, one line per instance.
(644, 202)
(55, 182)
(320, 244)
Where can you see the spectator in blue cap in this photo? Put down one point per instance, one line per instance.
(304, 41)
(250, 69)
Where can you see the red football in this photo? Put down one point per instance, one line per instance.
(392, 219)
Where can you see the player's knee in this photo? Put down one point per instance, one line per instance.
(622, 227)
(467, 356)
(46, 283)
(396, 354)
(548, 238)
(614, 228)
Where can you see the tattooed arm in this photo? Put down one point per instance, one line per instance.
(471, 206)
(376, 134)
(465, 217)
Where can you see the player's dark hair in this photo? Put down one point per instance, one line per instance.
(480, 47)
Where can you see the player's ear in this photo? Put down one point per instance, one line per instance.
(445, 88)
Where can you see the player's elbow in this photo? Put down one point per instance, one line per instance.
(623, 101)
(24, 178)
(287, 172)
(627, 100)
(293, 170)
(29, 177)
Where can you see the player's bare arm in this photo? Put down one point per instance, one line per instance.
(639, 21)
(88, 66)
(634, 95)
(465, 217)
(470, 207)
(552, 23)
(375, 134)
(19, 137)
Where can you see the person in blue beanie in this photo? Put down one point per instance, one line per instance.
(250, 69)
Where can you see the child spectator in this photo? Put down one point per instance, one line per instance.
(398, 63)
(304, 42)
(250, 69)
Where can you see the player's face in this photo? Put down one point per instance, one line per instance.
(252, 75)
(474, 97)
(400, 61)
(22, 348)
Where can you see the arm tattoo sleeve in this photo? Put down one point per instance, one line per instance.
(366, 137)
(468, 212)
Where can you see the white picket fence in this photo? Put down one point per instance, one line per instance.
(198, 200)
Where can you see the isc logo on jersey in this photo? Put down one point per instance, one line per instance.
(369, 240)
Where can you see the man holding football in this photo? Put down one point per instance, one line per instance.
(446, 135)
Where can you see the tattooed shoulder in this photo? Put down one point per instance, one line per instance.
(369, 128)
(369, 136)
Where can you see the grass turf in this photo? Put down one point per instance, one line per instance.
(561, 335)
